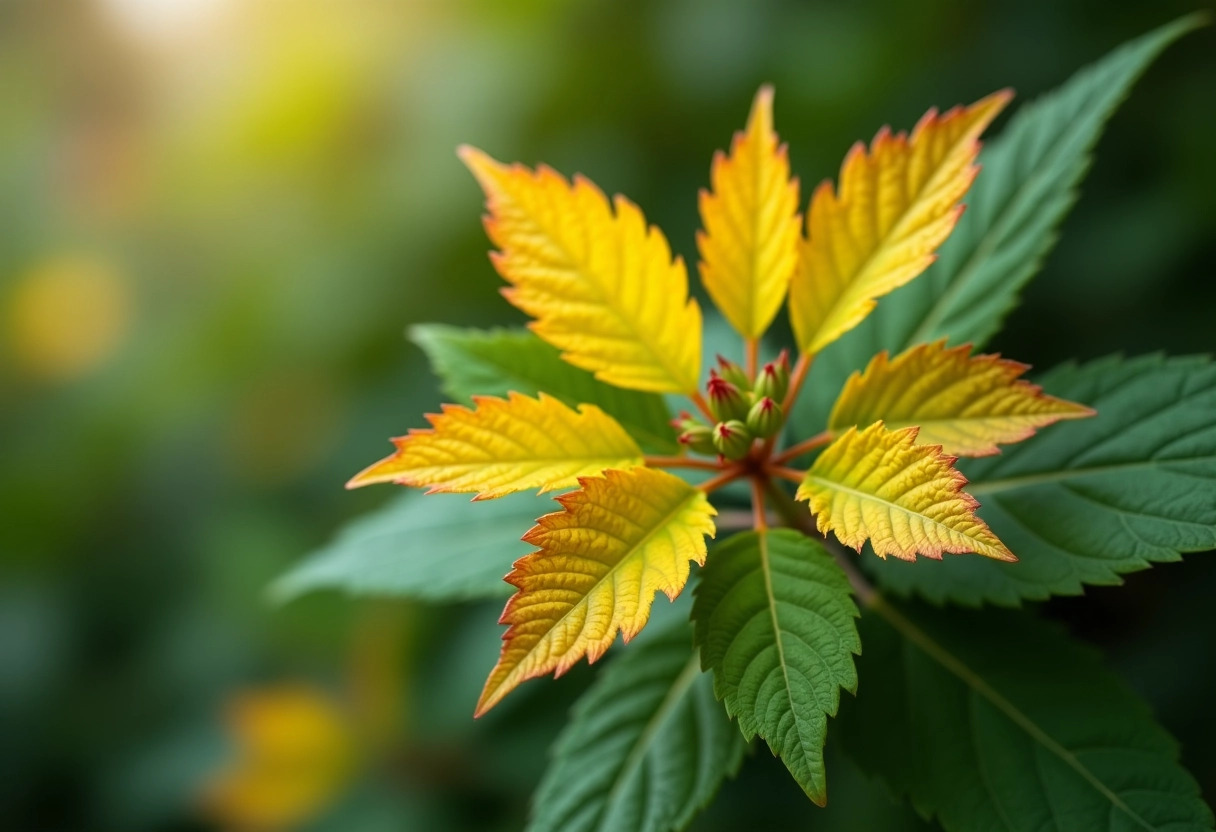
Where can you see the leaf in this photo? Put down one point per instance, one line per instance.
(905, 499)
(775, 622)
(440, 549)
(1094, 499)
(750, 243)
(966, 404)
(645, 749)
(998, 721)
(496, 362)
(895, 206)
(621, 539)
(1031, 173)
(601, 285)
(506, 445)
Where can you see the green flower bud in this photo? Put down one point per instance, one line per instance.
(725, 400)
(733, 373)
(765, 418)
(773, 380)
(699, 439)
(686, 422)
(732, 439)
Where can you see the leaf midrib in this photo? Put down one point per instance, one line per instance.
(972, 680)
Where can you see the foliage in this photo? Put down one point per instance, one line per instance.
(980, 721)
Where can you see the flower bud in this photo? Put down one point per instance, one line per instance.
(686, 422)
(699, 439)
(765, 418)
(733, 373)
(725, 400)
(773, 380)
(732, 439)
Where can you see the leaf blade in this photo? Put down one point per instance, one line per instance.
(775, 622)
(619, 540)
(749, 245)
(1097, 498)
(505, 445)
(967, 404)
(905, 499)
(895, 206)
(601, 285)
(955, 707)
(496, 362)
(645, 748)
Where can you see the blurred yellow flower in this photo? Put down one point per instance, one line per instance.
(295, 752)
(67, 316)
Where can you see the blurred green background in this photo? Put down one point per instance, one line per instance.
(217, 218)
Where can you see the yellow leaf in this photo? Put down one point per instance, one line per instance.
(621, 539)
(966, 404)
(894, 208)
(907, 499)
(750, 243)
(602, 286)
(295, 752)
(506, 445)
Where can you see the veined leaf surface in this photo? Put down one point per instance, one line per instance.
(967, 404)
(506, 445)
(1029, 181)
(646, 747)
(601, 284)
(750, 243)
(995, 720)
(621, 538)
(775, 623)
(1090, 500)
(906, 499)
(472, 362)
(895, 206)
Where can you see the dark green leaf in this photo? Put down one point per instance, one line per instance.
(437, 547)
(995, 720)
(490, 363)
(775, 622)
(646, 748)
(1085, 501)
(1028, 183)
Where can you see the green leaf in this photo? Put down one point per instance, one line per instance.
(1028, 182)
(646, 747)
(1084, 502)
(775, 622)
(437, 547)
(479, 362)
(995, 720)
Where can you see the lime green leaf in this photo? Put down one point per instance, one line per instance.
(473, 362)
(646, 747)
(1028, 183)
(995, 720)
(431, 548)
(775, 622)
(1093, 499)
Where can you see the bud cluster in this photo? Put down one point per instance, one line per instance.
(745, 409)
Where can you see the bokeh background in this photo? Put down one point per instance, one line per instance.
(217, 219)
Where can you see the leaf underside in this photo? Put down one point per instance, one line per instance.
(775, 621)
(620, 539)
(645, 748)
(995, 720)
(1090, 500)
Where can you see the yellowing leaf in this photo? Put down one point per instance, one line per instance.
(621, 539)
(966, 404)
(602, 286)
(506, 445)
(906, 499)
(750, 243)
(895, 206)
